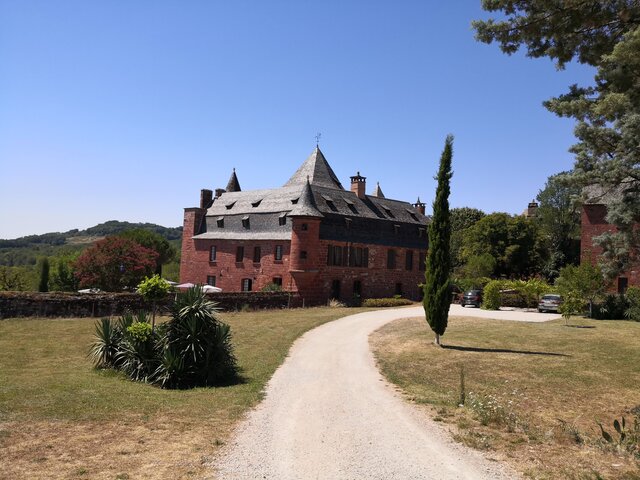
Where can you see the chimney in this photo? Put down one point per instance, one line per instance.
(358, 185)
(219, 192)
(206, 198)
(532, 209)
(421, 207)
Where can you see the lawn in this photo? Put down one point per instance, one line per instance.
(60, 418)
(534, 392)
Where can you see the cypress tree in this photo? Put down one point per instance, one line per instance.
(437, 296)
(44, 276)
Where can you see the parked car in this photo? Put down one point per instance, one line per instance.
(472, 297)
(550, 302)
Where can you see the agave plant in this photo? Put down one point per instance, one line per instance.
(104, 350)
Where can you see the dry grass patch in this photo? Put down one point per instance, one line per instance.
(533, 391)
(59, 418)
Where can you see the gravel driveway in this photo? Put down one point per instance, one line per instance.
(329, 414)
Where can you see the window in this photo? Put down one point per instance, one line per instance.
(358, 257)
(330, 203)
(220, 222)
(303, 254)
(357, 288)
(213, 253)
(230, 205)
(422, 262)
(335, 289)
(294, 201)
(245, 222)
(408, 264)
(282, 220)
(334, 256)
(239, 254)
(391, 258)
(422, 232)
(412, 215)
(351, 206)
(277, 281)
(398, 289)
(256, 203)
(256, 255)
(278, 253)
(247, 283)
(388, 212)
(396, 229)
(304, 227)
(623, 283)
(347, 222)
(211, 280)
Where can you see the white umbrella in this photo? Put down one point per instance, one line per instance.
(210, 289)
(185, 285)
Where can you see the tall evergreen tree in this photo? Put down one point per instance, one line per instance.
(437, 295)
(43, 285)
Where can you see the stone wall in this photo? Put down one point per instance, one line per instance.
(32, 304)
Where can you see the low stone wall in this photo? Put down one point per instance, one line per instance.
(58, 304)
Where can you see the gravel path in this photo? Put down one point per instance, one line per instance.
(329, 414)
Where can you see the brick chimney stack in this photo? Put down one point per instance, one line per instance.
(358, 185)
(421, 207)
(206, 198)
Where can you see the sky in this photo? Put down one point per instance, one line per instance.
(124, 110)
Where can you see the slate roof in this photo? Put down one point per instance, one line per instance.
(317, 170)
(234, 184)
(314, 191)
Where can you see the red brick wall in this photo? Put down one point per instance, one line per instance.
(192, 220)
(594, 223)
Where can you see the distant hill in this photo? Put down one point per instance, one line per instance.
(27, 250)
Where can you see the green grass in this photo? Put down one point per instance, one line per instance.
(47, 379)
(538, 374)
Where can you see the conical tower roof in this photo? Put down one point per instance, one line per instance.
(306, 206)
(234, 184)
(378, 191)
(317, 171)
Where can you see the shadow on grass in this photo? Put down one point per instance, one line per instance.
(502, 350)
(580, 326)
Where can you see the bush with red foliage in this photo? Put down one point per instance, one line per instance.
(114, 263)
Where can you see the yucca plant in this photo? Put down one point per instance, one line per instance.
(104, 350)
(200, 340)
(138, 354)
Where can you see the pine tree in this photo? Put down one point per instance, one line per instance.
(437, 296)
(43, 286)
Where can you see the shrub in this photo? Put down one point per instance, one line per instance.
(272, 287)
(633, 298)
(491, 295)
(613, 307)
(192, 349)
(386, 302)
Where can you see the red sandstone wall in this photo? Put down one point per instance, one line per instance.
(594, 224)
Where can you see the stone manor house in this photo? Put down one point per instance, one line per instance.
(310, 236)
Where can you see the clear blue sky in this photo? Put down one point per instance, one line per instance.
(125, 109)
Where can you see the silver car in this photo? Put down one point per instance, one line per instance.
(550, 303)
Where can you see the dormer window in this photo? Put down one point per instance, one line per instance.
(412, 215)
(256, 203)
(220, 222)
(245, 222)
(388, 212)
(351, 206)
(282, 219)
(330, 203)
(229, 206)
(294, 201)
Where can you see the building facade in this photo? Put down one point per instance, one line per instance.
(593, 224)
(310, 236)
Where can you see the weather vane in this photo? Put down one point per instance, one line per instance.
(318, 135)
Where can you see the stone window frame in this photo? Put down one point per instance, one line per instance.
(213, 253)
(211, 280)
(278, 253)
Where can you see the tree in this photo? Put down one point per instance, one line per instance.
(154, 241)
(580, 286)
(12, 279)
(605, 35)
(63, 278)
(479, 266)
(154, 289)
(558, 217)
(461, 219)
(43, 285)
(437, 295)
(114, 263)
(511, 241)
